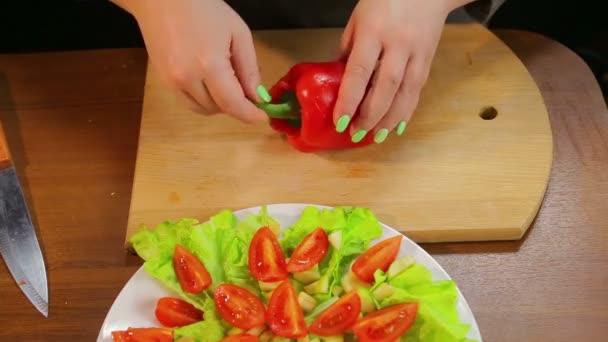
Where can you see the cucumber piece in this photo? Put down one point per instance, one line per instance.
(309, 276)
(383, 291)
(319, 286)
(256, 331)
(335, 239)
(280, 339)
(306, 302)
(367, 303)
(266, 295)
(266, 336)
(235, 331)
(304, 339)
(399, 266)
(350, 282)
(339, 338)
(337, 291)
(268, 286)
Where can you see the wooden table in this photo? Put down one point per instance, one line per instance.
(72, 121)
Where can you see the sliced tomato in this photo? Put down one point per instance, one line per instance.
(386, 325)
(266, 258)
(309, 252)
(119, 336)
(284, 315)
(143, 335)
(174, 312)
(241, 338)
(339, 317)
(379, 256)
(239, 307)
(191, 273)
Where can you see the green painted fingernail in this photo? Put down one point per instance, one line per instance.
(359, 135)
(263, 93)
(381, 136)
(342, 123)
(401, 127)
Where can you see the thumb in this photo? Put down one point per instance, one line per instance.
(245, 63)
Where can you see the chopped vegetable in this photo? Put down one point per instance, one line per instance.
(266, 258)
(240, 338)
(308, 276)
(191, 273)
(239, 307)
(386, 325)
(309, 252)
(339, 317)
(269, 286)
(318, 287)
(399, 266)
(284, 314)
(143, 334)
(307, 302)
(174, 312)
(335, 239)
(383, 291)
(367, 303)
(378, 257)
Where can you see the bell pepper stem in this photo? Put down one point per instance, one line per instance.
(279, 110)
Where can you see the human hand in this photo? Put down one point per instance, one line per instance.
(391, 43)
(204, 51)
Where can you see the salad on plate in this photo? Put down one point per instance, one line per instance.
(328, 277)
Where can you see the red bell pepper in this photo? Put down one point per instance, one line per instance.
(302, 107)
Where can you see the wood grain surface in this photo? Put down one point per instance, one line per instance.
(454, 176)
(5, 157)
(72, 121)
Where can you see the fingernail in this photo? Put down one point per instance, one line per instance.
(359, 135)
(401, 127)
(263, 93)
(381, 136)
(342, 123)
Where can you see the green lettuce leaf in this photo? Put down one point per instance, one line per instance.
(209, 330)
(251, 223)
(311, 219)
(218, 243)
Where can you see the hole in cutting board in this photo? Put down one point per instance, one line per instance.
(488, 113)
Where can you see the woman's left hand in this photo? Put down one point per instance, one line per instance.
(391, 42)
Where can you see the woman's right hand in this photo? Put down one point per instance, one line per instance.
(205, 52)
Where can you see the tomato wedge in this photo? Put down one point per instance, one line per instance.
(266, 258)
(240, 338)
(339, 317)
(239, 307)
(191, 273)
(309, 252)
(284, 315)
(174, 312)
(379, 256)
(386, 325)
(143, 335)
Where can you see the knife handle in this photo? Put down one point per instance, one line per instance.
(5, 157)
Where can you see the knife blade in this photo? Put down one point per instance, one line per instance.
(19, 245)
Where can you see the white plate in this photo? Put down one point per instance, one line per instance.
(134, 306)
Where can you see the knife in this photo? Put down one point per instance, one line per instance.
(18, 241)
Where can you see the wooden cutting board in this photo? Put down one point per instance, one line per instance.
(452, 176)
